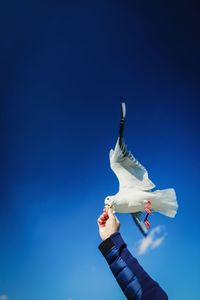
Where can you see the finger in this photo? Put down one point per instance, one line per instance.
(106, 208)
(100, 221)
(105, 215)
(102, 217)
(100, 225)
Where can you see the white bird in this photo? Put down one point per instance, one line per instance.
(135, 195)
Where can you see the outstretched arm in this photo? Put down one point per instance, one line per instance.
(131, 277)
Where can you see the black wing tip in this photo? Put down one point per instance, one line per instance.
(123, 110)
(121, 99)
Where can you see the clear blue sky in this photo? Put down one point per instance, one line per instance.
(63, 67)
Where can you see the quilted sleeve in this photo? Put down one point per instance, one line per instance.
(135, 283)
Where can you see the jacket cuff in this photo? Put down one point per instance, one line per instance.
(115, 240)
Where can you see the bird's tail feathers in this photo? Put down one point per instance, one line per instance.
(166, 202)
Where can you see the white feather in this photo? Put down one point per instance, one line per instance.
(130, 173)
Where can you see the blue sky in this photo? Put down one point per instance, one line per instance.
(64, 65)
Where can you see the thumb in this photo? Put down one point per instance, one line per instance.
(110, 213)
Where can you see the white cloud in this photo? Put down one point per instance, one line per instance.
(3, 297)
(152, 241)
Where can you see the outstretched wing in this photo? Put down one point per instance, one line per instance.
(130, 173)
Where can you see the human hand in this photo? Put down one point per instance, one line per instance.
(108, 224)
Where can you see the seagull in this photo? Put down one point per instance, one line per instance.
(135, 195)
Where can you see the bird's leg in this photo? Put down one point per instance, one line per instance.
(147, 209)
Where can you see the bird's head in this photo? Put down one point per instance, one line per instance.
(109, 200)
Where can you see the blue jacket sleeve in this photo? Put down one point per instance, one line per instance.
(135, 283)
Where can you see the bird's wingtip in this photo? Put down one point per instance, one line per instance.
(123, 107)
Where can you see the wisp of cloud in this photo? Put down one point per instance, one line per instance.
(152, 241)
(3, 297)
